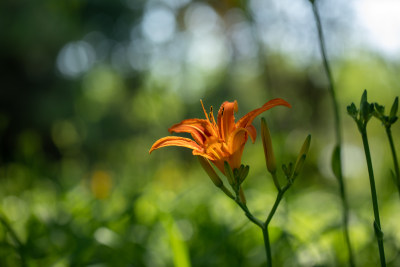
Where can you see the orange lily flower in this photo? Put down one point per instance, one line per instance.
(221, 140)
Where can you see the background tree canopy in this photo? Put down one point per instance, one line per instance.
(88, 86)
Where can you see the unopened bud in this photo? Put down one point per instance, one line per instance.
(229, 173)
(394, 108)
(210, 171)
(243, 172)
(299, 165)
(302, 156)
(267, 144)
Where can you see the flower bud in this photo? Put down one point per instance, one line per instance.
(394, 108)
(302, 156)
(267, 144)
(243, 172)
(299, 165)
(210, 171)
(229, 174)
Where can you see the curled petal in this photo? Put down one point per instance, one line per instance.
(176, 141)
(226, 118)
(196, 132)
(252, 132)
(204, 155)
(247, 119)
(199, 129)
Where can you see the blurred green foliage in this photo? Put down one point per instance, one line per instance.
(88, 86)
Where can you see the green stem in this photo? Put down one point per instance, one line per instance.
(267, 246)
(248, 214)
(328, 72)
(276, 182)
(268, 220)
(377, 223)
(340, 177)
(395, 162)
(263, 227)
(276, 204)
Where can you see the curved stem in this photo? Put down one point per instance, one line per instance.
(249, 215)
(395, 162)
(377, 223)
(276, 204)
(340, 177)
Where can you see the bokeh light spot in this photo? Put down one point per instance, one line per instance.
(159, 24)
(75, 58)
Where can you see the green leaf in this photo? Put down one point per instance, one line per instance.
(179, 248)
(336, 162)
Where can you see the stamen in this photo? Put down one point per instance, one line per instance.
(204, 110)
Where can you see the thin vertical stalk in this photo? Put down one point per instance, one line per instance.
(342, 189)
(395, 161)
(267, 246)
(377, 223)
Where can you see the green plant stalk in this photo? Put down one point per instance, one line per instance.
(268, 220)
(267, 246)
(276, 204)
(377, 223)
(342, 188)
(264, 225)
(260, 224)
(395, 161)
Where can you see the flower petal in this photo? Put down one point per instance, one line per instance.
(247, 119)
(236, 142)
(200, 129)
(252, 132)
(176, 141)
(226, 118)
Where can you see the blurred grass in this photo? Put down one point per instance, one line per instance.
(78, 187)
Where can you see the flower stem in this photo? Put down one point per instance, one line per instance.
(276, 204)
(395, 162)
(340, 177)
(248, 214)
(268, 220)
(267, 246)
(377, 222)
